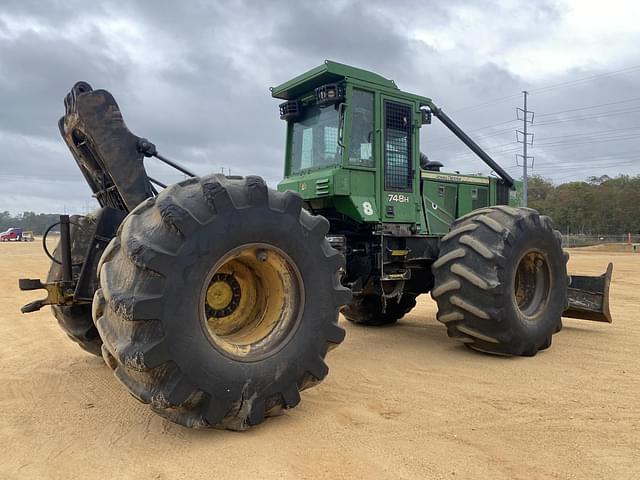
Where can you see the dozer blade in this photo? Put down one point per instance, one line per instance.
(589, 297)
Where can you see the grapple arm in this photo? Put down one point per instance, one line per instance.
(107, 153)
(111, 159)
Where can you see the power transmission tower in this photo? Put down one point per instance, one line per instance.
(526, 139)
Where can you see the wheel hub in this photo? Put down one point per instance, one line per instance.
(252, 301)
(223, 295)
(532, 284)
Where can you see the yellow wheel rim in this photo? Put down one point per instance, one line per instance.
(252, 301)
(532, 284)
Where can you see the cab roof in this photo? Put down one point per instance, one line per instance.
(329, 72)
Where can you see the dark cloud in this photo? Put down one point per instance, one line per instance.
(194, 78)
(39, 69)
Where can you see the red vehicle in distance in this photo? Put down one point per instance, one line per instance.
(12, 234)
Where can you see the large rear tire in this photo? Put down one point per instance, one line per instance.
(76, 320)
(368, 309)
(219, 301)
(501, 281)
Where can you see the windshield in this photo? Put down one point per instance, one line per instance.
(314, 141)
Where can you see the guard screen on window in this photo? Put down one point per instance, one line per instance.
(397, 147)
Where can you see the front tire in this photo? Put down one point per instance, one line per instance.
(219, 301)
(501, 281)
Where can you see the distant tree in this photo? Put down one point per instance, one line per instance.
(539, 189)
(599, 205)
(38, 222)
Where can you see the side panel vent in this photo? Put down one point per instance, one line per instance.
(322, 187)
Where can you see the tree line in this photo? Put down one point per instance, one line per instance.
(37, 222)
(600, 205)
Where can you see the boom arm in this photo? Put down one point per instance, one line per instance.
(475, 148)
(109, 156)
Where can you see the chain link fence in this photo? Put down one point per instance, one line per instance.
(578, 240)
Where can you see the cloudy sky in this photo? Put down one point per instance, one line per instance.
(193, 77)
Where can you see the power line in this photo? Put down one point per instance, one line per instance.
(610, 155)
(564, 177)
(591, 117)
(591, 159)
(543, 89)
(582, 166)
(490, 126)
(560, 141)
(488, 150)
(551, 170)
(591, 137)
(502, 153)
(583, 142)
(488, 102)
(590, 107)
(480, 137)
(546, 88)
(630, 69)
(595, 137)
(457, 142)
(591, 134)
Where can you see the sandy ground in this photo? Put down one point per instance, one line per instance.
(399, 402)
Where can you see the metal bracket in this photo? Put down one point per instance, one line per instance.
(395, 276)
(525, 115)
(529, 157)
(58, 293)
(526, 137)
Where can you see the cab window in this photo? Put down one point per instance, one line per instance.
(314, 142)
(361, 144)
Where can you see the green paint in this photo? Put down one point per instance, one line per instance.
(347, 172)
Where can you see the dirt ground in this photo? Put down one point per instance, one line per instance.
(399, 402)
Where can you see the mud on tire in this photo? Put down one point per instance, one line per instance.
(183, 355)
(76, 320)
(501, 281)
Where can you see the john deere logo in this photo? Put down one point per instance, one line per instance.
(303, 186)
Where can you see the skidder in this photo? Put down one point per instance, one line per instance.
(216, 300)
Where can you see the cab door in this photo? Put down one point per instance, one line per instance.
(398, 202)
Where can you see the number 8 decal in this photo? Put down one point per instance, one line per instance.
(368, 209)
